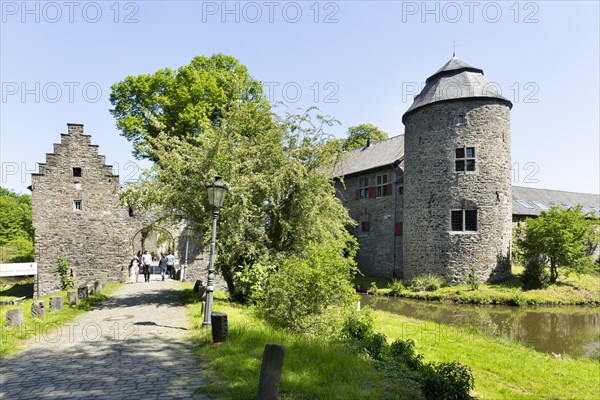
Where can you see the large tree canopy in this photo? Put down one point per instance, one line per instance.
(358, 136)
(16, 230)
(183, 103)
(563, 237)
(280, 201)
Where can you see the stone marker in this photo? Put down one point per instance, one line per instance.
(178, 275)
(82, 293)
(197, 285)
(220, 328)
(97, 287)
(90, 287)
(38, 309)
(72, 298)
(56, 303)
(270, 372)
(14, 317)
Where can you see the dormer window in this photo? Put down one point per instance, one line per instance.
(76, 172)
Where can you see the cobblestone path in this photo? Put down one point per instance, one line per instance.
(134, 346)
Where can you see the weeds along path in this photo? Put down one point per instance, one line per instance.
(135, 345)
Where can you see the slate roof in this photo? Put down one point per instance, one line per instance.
(455, 80)
(532, 201)
(377, 155)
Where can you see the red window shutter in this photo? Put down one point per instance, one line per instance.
(372, 192)
(357, 194)
(389, 189)
(366, 226)
(398, 228)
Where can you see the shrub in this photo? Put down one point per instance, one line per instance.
(535, 275)
(376, 346)
(309, 294)
(373, 289)
(251, 281)
(427, 283)
(396, 287)
(447, 381)
(404, 351)
(358, 326)
(63, 270)
(472, 279)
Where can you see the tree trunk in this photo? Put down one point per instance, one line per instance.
(553, 272)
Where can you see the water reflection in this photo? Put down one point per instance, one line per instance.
(561, 330)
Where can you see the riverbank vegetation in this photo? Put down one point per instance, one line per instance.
(573, 290)
(13, 338)
(328, 368)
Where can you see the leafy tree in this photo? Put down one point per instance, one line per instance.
(16, 230)
(563, 237)
(280, 200)
(359, 135)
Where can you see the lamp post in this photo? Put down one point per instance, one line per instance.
(216, 196)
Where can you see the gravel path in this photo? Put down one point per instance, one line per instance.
(134, 346)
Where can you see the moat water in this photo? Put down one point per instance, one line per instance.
(560, 330)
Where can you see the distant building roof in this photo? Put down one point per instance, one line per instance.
(455, 80)
(376, 155)
(532, 201)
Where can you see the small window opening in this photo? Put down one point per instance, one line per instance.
(77, 172)
(461, 119)
(464, 159)
(463, 220)
(77, 205)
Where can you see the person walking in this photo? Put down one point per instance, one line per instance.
(171, 265)
(162, 264)
(134, 269)
(146, 261)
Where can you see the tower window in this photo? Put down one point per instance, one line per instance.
(77, 172)
(382, 183)
(363, 188)
(460, 119)
(77, 205)
(463, 220)
(364, 226)
(464, 159)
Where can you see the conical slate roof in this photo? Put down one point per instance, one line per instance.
(455, 80)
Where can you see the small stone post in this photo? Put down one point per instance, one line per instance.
(14, 317)
(90, 288)
(72, 298)
(220, 328)
(56, 303)
(82, 293)
(270, 372)
(38, 309)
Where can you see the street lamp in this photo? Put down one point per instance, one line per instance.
(216, 196)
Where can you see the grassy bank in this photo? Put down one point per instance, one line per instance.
(583, 290)
(502, 368)
(11, 339)
(318, 369)
(313, 368)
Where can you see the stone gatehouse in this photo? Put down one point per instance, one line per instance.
(77, 216)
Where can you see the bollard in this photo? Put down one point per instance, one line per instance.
(72, 298)
(14, 317)
(220, 329)
(56, 303)
(82, 293)
(270, 372)
(38, 309)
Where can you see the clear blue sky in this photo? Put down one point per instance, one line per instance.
(358, 61)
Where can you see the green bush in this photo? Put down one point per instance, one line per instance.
(427, 283)
(472, 279)
(309, 294)
(404, 351)
(358, 326)
(251, 281)
(396, 287)
(63, 270)
(447, 381)
(535, 275)
(373, 289)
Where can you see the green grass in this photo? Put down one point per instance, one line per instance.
(583, 290)
(11, 339)
(15, 287)
(314, 368)
(502, 368)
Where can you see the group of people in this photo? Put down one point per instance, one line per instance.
(143, 261)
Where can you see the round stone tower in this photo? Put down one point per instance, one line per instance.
(457, 188)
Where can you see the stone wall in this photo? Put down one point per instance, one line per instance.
(433, 189)
(96, 240)
(380, 252)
